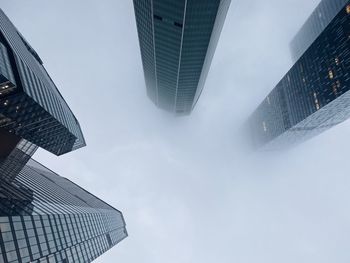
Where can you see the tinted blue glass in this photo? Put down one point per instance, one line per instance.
(46, 215)
(313, 96)
(177, 41)
(25, 86)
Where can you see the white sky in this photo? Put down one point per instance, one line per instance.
(187, 192)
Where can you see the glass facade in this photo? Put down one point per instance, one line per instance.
(13, 163)
(5, 66)
(47, 218)
(178, 41)
(30, 103)
(314, 26)
(43, 216)
(313, 96)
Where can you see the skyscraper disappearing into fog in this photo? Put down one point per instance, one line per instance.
(178, 40)
(314, 95)
(43, 217)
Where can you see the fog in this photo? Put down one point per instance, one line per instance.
(188, 191)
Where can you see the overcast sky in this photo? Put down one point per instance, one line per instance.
(188, 193)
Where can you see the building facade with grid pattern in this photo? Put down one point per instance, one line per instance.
(177, 41)
(314, 26)
(43, 217)
(30, 104)
(16, 159)
(47, 218)
(313, 96)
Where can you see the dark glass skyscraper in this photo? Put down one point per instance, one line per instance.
(178, 40)
(314, 95)
(47, 218)
(314, 26)
(31, 106)
(43, 216)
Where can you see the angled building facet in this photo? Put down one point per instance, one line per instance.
(30, 104)
(177, 41)
(313, 96)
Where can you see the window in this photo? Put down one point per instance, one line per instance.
(338, 83)
(316, 101)
(109, 240)
(178, 24)
(336, 61)
(330, 74)
(348, 9)
(158, 17)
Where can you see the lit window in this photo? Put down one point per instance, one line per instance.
(348, 9)
(335, 91)
(264, 126)
(316, 101)
(330, 74)
(336, 61)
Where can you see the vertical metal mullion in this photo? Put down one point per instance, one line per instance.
(154, 52)
(2, 247)
(180, 54)
(15, 239)
(27, 239)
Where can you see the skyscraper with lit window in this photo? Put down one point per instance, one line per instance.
(314, 26)
(178, 40)
(314, 95)
(31, 107)
(43, 217)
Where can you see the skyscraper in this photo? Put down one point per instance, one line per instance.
(47, 218)
(31, 106)
(314, 95)
(13, 161)
(178, 40)
(43, 216)
(314, 26)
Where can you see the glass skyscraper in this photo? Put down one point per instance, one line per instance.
(314, 26)
(43, 217)
(30, 104)
(314, 95)
(47, 218)
(177, 41)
